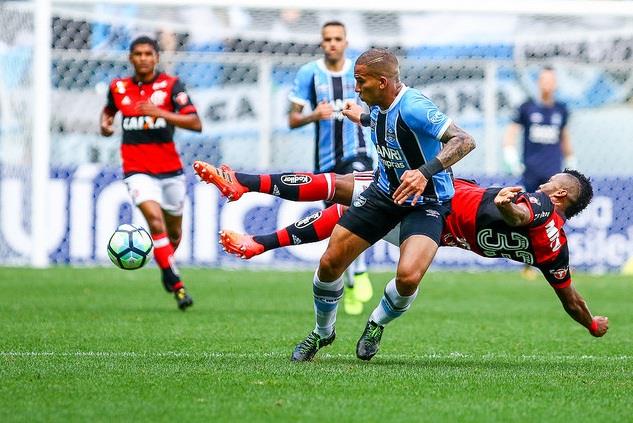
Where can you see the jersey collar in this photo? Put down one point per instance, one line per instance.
(395, 100)
(137, 82)
(346, 66)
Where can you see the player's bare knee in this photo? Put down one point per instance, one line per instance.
(408, 279)
(344, 189)
(155, 224)
(330, 267)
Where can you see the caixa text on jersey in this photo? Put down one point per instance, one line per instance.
(136, 123)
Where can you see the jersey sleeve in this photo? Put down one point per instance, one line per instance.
(565, 116)
(422, 115)
(539, 204)
(557, 271)
(181, 100)
(301, 88)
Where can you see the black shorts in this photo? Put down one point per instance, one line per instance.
(356, 164)
(374, 214)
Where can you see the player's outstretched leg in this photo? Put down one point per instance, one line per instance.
(223, 178)
(241, 245)
(289, 186)
(313, 228)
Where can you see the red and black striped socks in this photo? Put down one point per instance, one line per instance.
(292, 186)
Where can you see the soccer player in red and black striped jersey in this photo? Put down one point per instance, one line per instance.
(491, 222)
(152, 105)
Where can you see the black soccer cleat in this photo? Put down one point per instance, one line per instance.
(306, 349)
(369, 341)
(183, 299)
(169, 279)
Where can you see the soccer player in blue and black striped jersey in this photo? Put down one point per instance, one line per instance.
(342, 147)
(416, 145)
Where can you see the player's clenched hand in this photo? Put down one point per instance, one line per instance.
(106, 125)
(599, 326)
(506, 195)
(148, 109)
(352, 111)
(323, 110)
(412, 183)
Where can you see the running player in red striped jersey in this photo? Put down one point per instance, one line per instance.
(152, 104)
(491, 222)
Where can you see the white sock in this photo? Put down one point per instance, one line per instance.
(326, 298)
(392, 305)
(360, 264)
(349, 277)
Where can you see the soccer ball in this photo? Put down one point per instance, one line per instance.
(129, 246)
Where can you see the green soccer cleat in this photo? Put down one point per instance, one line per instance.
(362, 287)
(183, 299)
(369, 342)
(306, 349)
(351, 305)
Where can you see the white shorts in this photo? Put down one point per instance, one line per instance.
(361, 183)
(168, 192)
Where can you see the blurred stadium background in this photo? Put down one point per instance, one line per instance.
(60, 190)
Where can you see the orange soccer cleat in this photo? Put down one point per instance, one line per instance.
(222, 177)
(243, 246)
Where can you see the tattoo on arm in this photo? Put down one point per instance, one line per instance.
(457, 143)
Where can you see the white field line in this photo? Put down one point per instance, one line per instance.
(433, 356)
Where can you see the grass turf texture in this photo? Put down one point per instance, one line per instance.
(108, 345)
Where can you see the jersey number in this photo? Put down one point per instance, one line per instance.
(515, 247)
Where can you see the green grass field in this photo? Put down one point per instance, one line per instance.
(108, 345)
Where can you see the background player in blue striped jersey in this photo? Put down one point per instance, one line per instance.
(416, 143)
(342, 147)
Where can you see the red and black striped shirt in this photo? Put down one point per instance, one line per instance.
(475, 223)
(148, 145)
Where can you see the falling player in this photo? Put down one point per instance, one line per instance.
(491, 222)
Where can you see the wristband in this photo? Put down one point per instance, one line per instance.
(594, 326)
(365, 119)
(431, 168)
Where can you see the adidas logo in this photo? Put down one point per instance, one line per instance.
(276, 191)
(295, 240)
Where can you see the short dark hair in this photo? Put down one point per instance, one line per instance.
(334, 23)
(585, 193)
(380, 62)
(144, 39)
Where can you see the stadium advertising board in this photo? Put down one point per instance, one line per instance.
(87, 203)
